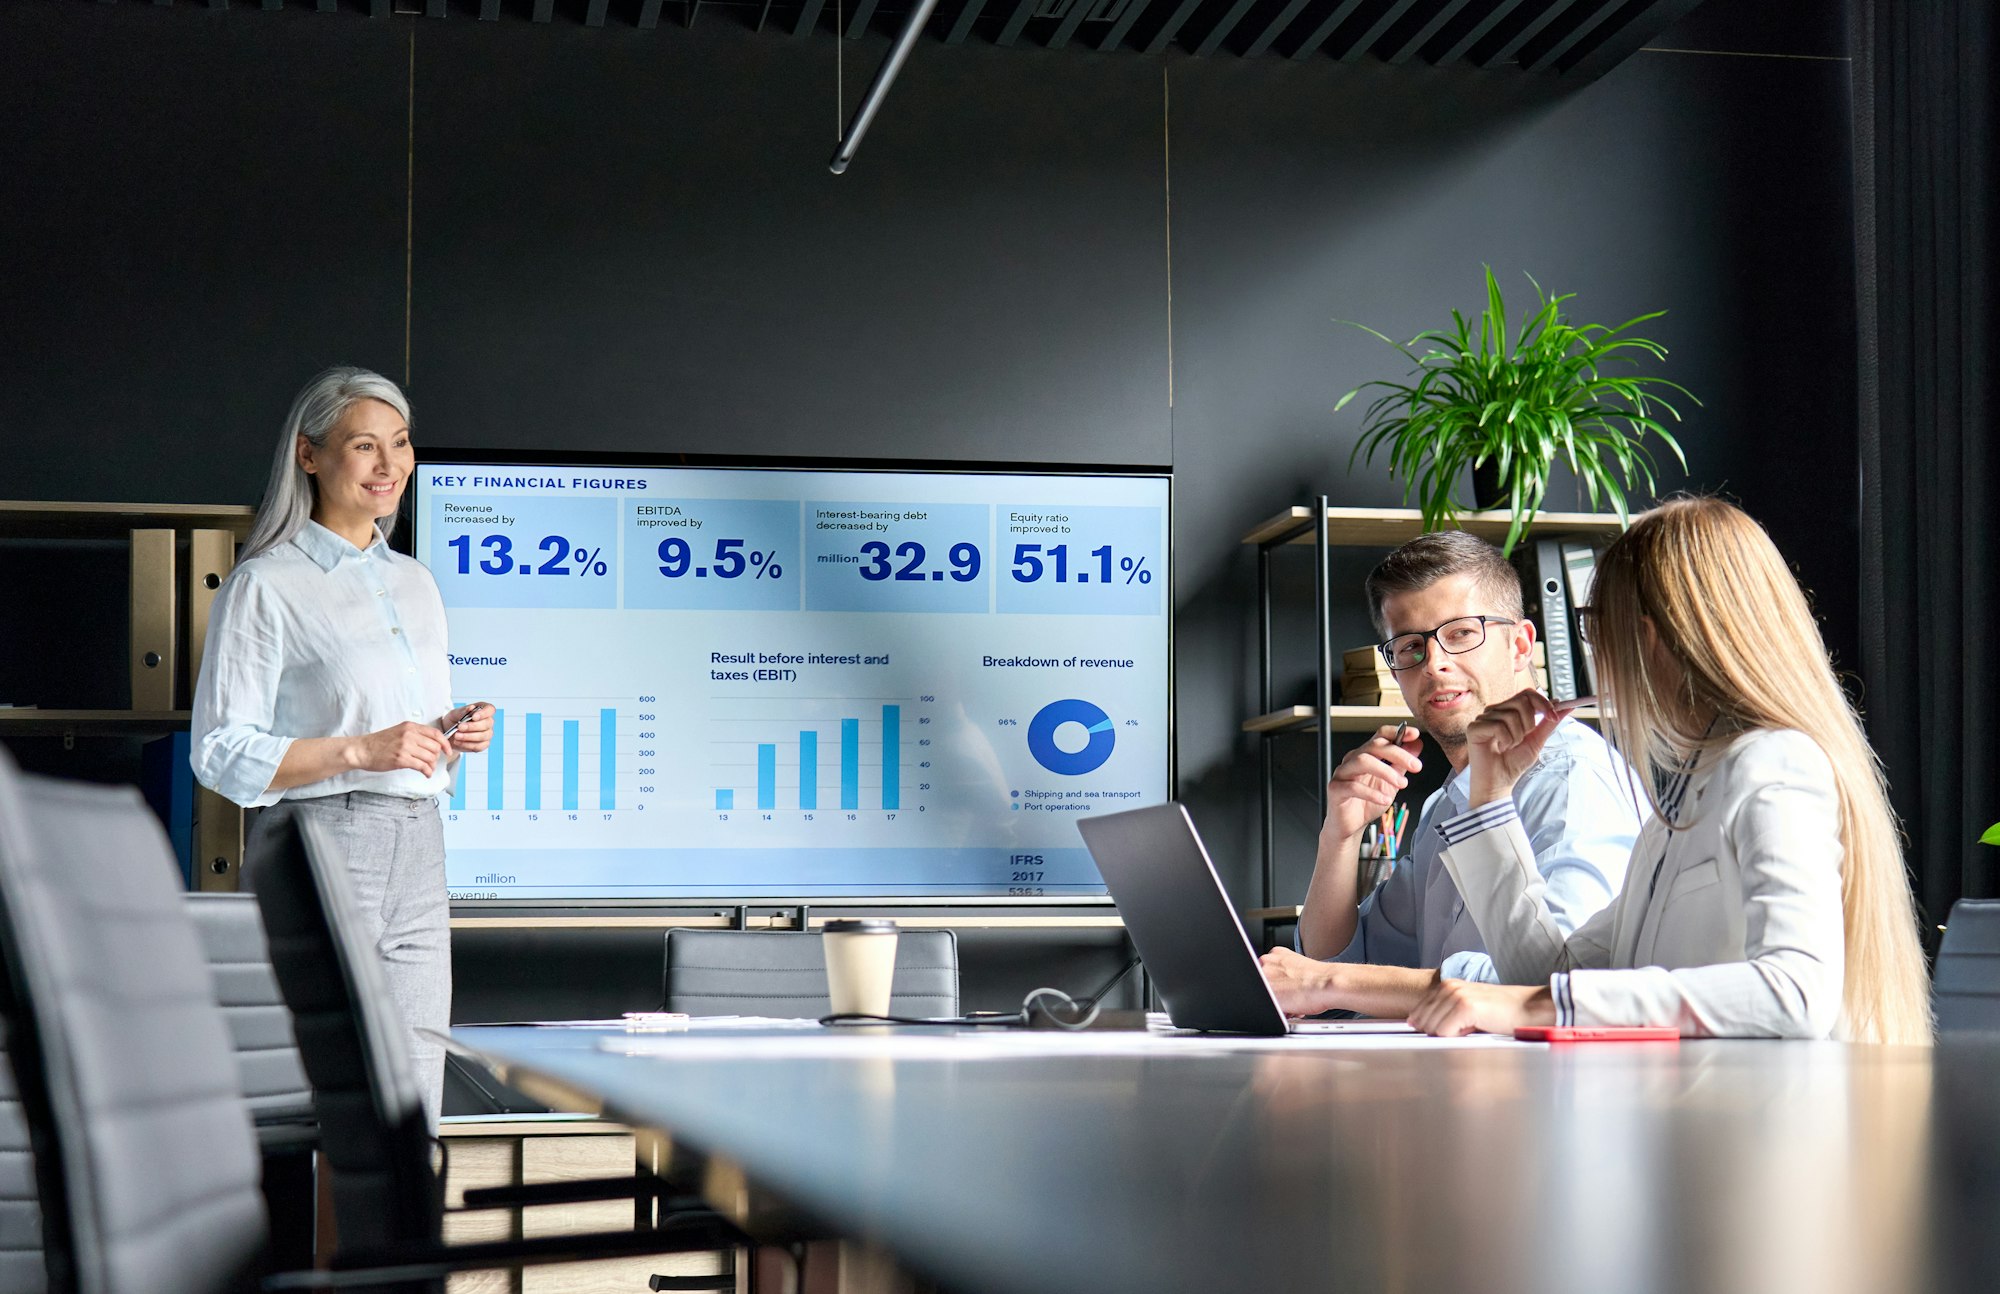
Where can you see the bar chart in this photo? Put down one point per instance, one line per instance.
(775, 765)
(566, 760)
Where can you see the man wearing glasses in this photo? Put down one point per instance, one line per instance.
(1454, 633)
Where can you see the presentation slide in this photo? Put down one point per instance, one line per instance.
(761, 684)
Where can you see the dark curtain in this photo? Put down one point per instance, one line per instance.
(1924, 117)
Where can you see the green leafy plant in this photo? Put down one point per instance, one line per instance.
(1992, 836)
(1487, 398)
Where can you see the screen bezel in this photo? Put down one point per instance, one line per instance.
(405, 541)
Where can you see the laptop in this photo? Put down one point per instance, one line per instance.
(1185, 929)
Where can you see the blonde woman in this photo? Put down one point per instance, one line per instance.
(1766, 896)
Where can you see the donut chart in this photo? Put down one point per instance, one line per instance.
(1042, 737)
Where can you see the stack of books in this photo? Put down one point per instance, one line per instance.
(1366, 679)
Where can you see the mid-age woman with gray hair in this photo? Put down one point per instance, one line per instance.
(326, 690)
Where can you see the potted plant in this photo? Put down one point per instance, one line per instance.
(1509, 405)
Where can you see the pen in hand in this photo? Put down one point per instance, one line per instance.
(470, 710)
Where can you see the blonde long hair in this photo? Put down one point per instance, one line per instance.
(1729, 613)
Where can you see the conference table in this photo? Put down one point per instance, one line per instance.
(1035, 1162)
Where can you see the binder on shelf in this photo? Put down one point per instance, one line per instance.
(1579, 559)
(153, 602)
(167, 781)
(1544, 591)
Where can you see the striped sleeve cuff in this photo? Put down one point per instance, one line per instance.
(1565, 1004)
(1474, 821)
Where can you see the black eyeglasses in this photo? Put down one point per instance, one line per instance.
(1585, 613)
(1407, 651)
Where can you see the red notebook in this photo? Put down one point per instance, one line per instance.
(1596, 1033)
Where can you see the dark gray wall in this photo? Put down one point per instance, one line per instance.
(628, 241)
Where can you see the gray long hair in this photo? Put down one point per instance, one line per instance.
(288, 499)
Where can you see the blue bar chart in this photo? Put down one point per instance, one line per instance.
(786, 771)
(514, 773)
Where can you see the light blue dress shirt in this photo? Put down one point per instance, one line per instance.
(318, 638)
(1579, 812)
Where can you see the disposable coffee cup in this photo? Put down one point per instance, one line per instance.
(860, 964)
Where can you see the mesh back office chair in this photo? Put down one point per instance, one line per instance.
(783, 973)
(387, 1198)
(1966, 984)
(146, 1166)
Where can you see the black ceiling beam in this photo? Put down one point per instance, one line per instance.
(1116, 36)
(1023, 10)
(1078, 11)
(649, 14)
(593, 16)
(763, 15)
(1499, 49)
(489, 10)
(1427, 27)
(1317, 37)
(1275, 28)
(857, 26)
(1354, 49)
(1475, 32)
(1630, 34)
(1223, 26)
(545, 10)
(1541, 54)
(1172, 26)
(961, 27)
(808, 17)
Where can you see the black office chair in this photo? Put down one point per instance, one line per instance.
(269, 1072)
(783, 973)
(1965, 986)
(21, 1258)
(388, 1202)
(145, 1162)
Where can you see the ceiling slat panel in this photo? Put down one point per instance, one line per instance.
(1476, 31)
(1366, 40)
(1276, 27)
(1116, 36)
(1499, 49)
(1317, 36)
(1422, 31)
(1172, 26)
(1226, 24)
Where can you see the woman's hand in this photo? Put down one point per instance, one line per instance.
(416, 746)
(475, 727)
(1504, 742)
(1455, 1007)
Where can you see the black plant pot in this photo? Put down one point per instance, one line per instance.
(1488, 492)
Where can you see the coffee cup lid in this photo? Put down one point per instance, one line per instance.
(860, 926)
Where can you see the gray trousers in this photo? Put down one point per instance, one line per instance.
(394, 848)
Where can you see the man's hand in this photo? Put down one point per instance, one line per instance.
(1504, 742)
(1367, 782)
(475, 727)
(1301, 985)
(415, 746)
(1455, 1007)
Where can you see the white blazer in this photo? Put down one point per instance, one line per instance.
(1729, 927)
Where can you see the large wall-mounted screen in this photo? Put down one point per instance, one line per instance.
(759, 683)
